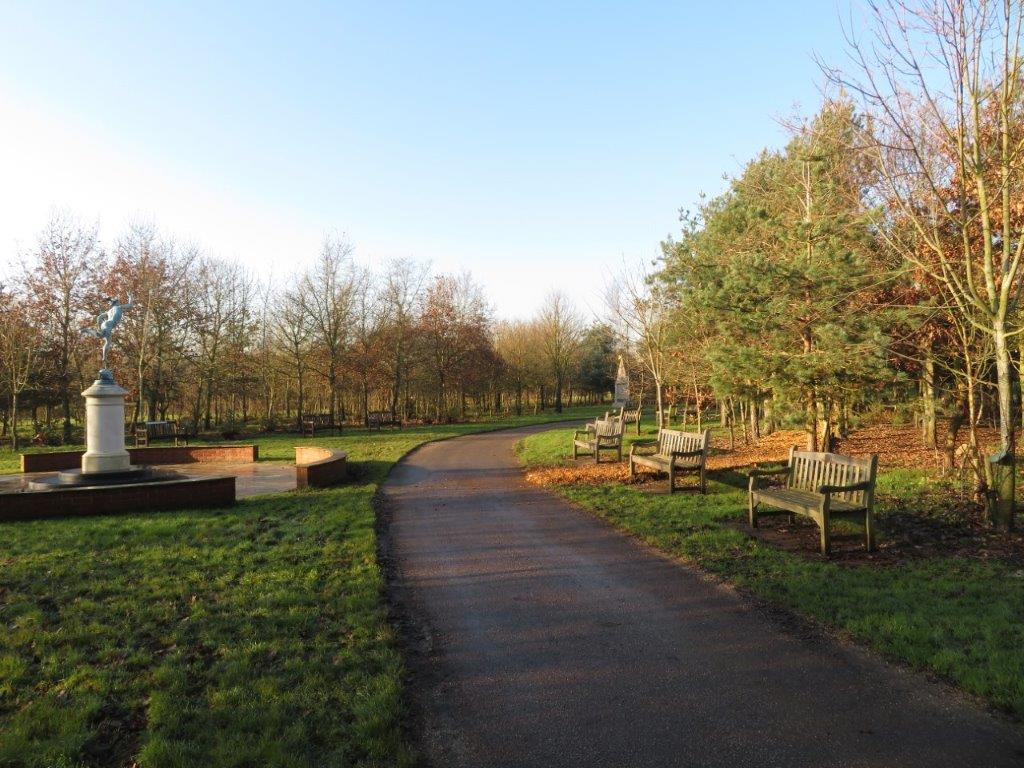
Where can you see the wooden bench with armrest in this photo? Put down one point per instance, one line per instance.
(163, 430)
(820, 486)
(673, 452)
(604, 434)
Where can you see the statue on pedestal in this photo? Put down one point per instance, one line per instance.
(107, 321)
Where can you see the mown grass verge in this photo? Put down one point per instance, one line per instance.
(958, 617)
(252, 636)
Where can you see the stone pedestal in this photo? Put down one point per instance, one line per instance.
(104, 427)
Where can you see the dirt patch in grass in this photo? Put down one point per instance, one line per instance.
(903, 537)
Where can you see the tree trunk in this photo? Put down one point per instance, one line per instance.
(14, 421)
(1002, 466)
(65, 397)
(812, 424)
(928, 398)
(659, 402)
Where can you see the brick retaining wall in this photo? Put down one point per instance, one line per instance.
(198, 493)
(319, 467)
(160, 454)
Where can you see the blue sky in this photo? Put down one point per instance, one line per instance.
(535, 144)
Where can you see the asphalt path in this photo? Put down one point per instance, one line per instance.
(539, 636)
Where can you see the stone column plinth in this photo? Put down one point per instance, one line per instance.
(104, 427)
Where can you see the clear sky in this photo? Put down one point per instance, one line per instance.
(536, 144)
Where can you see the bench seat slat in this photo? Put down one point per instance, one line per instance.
(803, 500)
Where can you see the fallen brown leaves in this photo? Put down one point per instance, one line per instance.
(773, 448)
(941, 522)
(898, 447)
(902, 447)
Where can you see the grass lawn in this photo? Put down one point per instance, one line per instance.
(962, 618)
(253, 636)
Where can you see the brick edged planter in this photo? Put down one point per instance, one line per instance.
(319, 467)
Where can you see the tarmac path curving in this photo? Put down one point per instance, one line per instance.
(539, 636)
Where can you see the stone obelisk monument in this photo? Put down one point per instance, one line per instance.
(622, 386)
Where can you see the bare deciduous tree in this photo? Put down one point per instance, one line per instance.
(642, 312)
(19, 349)
(559, 329)
(60, 280)
(941, 81)
(328, 291)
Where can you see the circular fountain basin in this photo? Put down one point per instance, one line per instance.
(76, 478)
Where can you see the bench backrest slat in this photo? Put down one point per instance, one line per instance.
(811, 469)
(609, 426)
(672, 440)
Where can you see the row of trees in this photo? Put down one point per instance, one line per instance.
(209, 343)
(872, 262)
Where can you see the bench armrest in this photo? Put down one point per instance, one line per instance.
(861, 486)
(579, 432)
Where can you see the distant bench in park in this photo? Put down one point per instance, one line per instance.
(673, 452)
(378, 419)
(311, 422)
(151, 431)
(632, 416)
(604, 434)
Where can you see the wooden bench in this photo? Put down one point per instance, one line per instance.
(632, 416)
(604, 434)
(378, 419)
(311, 422)
(162, 430)
(820, 486)
(673, 452)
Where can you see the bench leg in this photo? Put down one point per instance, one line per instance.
(575, 451)
(826, 534)
(752, 510)
(703, 481)
(671, 478)
(632, 469)
(869, 531)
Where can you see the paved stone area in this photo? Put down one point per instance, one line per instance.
(539, 636)
(252, 479)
